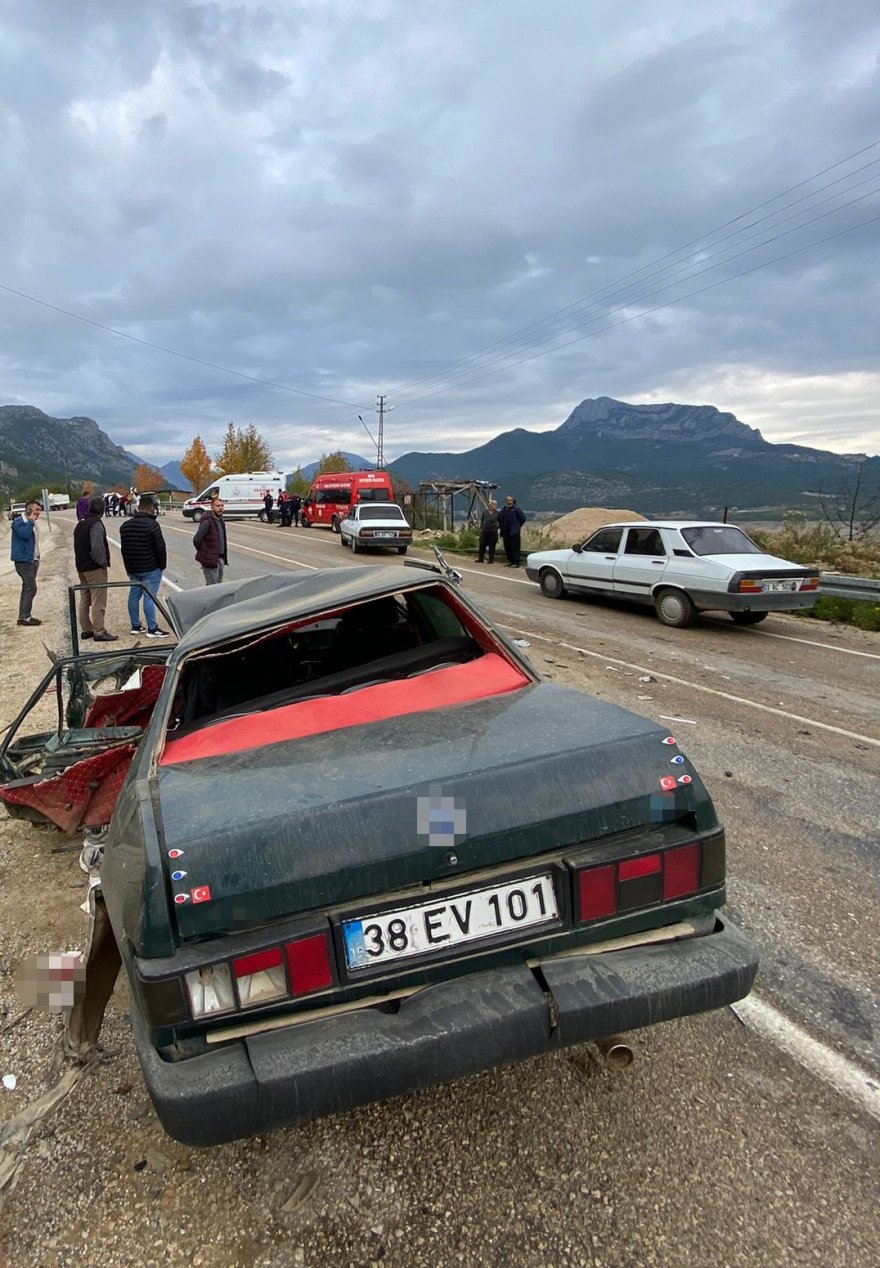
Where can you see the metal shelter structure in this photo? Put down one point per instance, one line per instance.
(435, 500)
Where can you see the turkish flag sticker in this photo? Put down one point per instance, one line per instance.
(667, 783)
(201, 894)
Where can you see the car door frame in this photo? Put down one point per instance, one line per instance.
(592, 571)
(637, 574)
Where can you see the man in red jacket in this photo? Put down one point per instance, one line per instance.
(210, 543)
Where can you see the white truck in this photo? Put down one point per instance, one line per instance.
(242, 495)
(59, 501)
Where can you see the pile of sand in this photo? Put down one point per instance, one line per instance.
(578, 525)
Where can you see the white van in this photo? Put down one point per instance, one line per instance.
(242, 495)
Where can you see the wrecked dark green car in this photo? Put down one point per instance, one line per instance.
(356, 847)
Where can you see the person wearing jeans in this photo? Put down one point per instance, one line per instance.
(25, 554)
(210, 543)
(145, 559)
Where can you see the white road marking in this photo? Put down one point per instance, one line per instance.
(810, 642)
(284, 559)
(171, 584)
(695, 686)
(847, 1078)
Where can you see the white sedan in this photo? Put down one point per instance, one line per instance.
(375, 524)
(681, 567)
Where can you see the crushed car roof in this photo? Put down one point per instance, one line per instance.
(214, 614)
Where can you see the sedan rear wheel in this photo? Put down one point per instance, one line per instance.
(673, 607)
(748, 618)
(552, 584)
(355, 545)
(335, 524)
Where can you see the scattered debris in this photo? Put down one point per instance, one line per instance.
(644, 697)
(728, 774)
(521, 642)
(647, 678)
(302, 1190)
(10, 1082)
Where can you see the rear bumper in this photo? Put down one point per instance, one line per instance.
(711, 601)
(444, 1032)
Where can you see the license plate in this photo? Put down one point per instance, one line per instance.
(383, 534)
(776, 587)
(444, 923)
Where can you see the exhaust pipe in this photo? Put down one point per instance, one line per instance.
(615, 1052)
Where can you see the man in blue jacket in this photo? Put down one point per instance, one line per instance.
(25, 554)
(510, 521)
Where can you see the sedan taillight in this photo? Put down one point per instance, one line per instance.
(644, 880)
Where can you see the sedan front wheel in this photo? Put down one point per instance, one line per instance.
(674, 607)
(552, 584)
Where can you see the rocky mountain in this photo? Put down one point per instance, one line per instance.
(38, 449)
(175, 477)
(354, 460)
(657, 459)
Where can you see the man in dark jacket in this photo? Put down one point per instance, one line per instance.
(145, 559)
(295, 507)
(92, 551)
(82, 505)
(510, 521)
(268, 503)
(210, 543)
(488, 533)
(25, 554)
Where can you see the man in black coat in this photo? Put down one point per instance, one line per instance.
(510, 521)
(488, 533)
(145, 559)
(92, 552)
(268, 503)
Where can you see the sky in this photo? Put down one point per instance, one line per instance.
(487, 212)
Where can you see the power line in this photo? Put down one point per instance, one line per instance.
(494, 365)
(172, 352)
(657, 307)
(405, 388)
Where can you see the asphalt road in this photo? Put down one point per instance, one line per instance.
(723, 1143)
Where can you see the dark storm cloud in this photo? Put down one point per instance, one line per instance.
(348, 197)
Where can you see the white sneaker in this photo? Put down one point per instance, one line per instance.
(157, 633)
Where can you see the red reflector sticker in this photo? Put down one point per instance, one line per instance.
(681, 871)
(597, 892)
(257, 962)
(309, 964)
(645, 866)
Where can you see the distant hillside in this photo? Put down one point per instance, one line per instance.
(657, 459)
(354, 460)
(38, 449)
(175, 477)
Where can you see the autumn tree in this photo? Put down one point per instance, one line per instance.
(244, 450)
(147, 478)
(330, 463)
(196, 465)
(298, 484)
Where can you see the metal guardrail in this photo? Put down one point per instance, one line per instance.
(835, 585)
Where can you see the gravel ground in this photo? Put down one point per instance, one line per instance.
(712, 1148)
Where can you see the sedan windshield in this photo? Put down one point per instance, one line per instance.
(380, 513)
(719, 539)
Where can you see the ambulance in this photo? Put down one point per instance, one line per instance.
(242, 495)
(331, 496)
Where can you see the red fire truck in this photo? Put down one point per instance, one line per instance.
(331, 495)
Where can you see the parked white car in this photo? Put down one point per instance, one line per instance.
(375, 524)
(681, 567)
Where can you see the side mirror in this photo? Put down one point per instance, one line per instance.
(577, 548)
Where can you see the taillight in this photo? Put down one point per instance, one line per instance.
(210, 990)
(750, 586)
(260, 977)
(308, 960)
(810, 583)
(624, 885)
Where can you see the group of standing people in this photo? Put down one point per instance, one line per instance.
(506, 524)
(144, 558)
(288, 508)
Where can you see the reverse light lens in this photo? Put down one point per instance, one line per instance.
(308, 960)
(210, 990)
(260, 977)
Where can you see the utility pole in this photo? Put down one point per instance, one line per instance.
(380, 444)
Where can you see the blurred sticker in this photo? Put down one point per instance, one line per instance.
(678, 760)
(180, 899)
(669, 740)
(684, 779)
(175, 854)
(178, 876)
(668, 782)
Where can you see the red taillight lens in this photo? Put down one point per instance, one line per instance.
(308, 961)
(597, 892)
(811, 583)
(647, 865)
(681, 871)
(257, 962)
(260, 977)
(750, 586)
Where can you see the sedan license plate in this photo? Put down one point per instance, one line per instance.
(777, 587)
(444, 923)
(383, 534)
